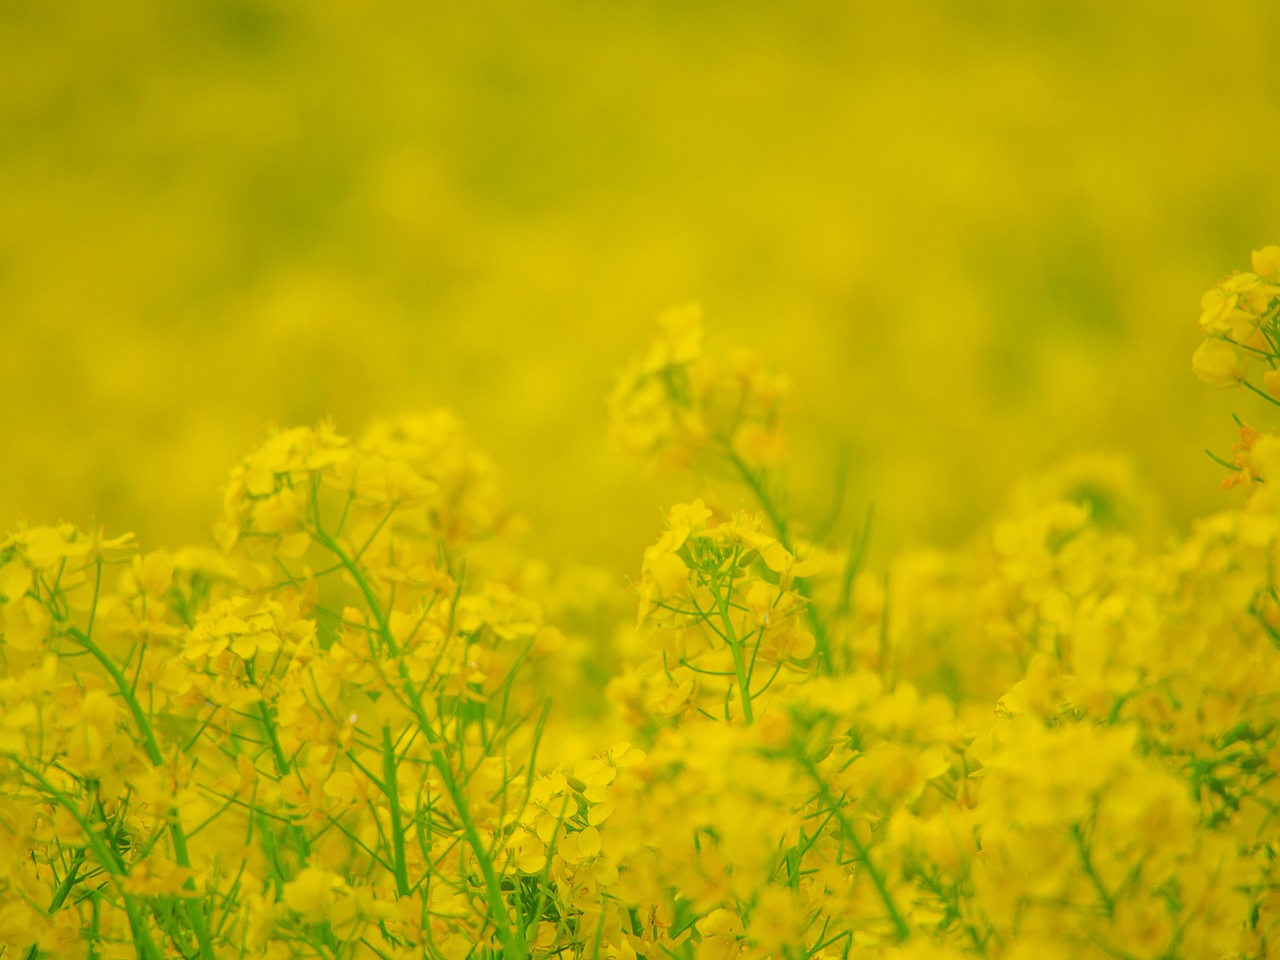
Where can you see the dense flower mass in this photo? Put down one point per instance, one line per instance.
(1238, 319)
(367, 724)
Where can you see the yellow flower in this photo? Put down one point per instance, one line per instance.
(20, 925)
(681, 338)
(1266, 262)
(526, 851)
(686, 518)
(154, 572)
(348, 790)
(1217, 363)
(759, 445)
(158, 876)
(15, 579)
(722, 936)
(46, 546)
(311, 893)
(1271, 381)
(668, 573)
(26, 624)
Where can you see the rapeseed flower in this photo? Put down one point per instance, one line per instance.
(334, 735)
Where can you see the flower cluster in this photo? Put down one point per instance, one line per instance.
(727, 621)
(1239, 319)
(675, 403)
(331, 737)
(319, 740)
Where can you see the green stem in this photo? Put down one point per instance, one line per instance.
(847, 831)
(513, 946)
(762, 495)
(1262, 393)
(268, 724)
(1087, 862)
(779, 522)
(181, 854)
(392, 790)
(59, 898)
(64, 888)
(106, 858)
(375, 608)
(283, 766)
(739, 663)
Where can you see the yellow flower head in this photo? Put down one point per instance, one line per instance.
(1217, 363)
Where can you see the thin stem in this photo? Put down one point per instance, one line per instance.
(735, 649)
(106, 857)
(860, 849)
(1087, 862)
(59, 898)
(513, 945)
(391, 788)
(1219, 461)
(775, 517)
(375, 608)
(1262, 393)
(195, 910)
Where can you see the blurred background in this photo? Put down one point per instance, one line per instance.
(976, 233)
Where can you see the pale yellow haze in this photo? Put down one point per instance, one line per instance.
(973, 234)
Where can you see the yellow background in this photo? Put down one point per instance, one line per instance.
(976, 234)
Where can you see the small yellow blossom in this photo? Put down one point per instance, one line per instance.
(1217, 363)
(1266, 262)
(311, 894)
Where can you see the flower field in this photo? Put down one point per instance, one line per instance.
(331, 734)
(909, 589)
